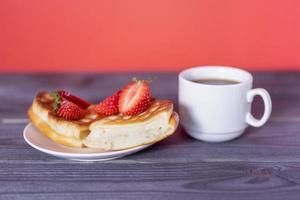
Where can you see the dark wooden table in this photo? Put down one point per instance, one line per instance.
(262, 164)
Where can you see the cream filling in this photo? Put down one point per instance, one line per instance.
(125, 136)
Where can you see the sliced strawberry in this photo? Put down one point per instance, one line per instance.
(135, 98)
(68, 110)
(109, 106)
(76, 100)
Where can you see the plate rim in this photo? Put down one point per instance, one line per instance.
(79, 155)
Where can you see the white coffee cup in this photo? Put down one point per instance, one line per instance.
(218, 113)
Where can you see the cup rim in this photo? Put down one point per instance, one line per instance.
(249, 80)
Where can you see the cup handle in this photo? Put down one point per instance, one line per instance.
(267, 104)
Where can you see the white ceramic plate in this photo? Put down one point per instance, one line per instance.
(40, 142)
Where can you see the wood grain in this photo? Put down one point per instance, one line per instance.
(262, 164)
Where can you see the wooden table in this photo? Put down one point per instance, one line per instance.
(263, 164)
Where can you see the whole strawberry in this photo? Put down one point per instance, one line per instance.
(109, 106)
(68, 108)
(78, 101)
(135, 98)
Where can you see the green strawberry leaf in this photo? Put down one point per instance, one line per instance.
(57, 100)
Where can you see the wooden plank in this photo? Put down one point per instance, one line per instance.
(198, 180)
(283, 87)
(272, 143)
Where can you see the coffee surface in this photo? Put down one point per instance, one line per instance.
(216, 81)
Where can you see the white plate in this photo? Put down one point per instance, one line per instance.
(40, 142)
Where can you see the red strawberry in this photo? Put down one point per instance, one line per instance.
(135, 98)
(76, 100)
(69, 110)
(109, 106)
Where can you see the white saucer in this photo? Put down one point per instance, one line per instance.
(40, 142)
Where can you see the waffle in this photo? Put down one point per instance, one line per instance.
(122, 132)
(110, 133)
(66, 132)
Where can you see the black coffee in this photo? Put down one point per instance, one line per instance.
(212, 81)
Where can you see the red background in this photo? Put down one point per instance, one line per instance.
(126, 35)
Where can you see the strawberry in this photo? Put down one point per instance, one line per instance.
(69, 110)
(135, 97)
(109, 106)
(66, 108)
(76, 100)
